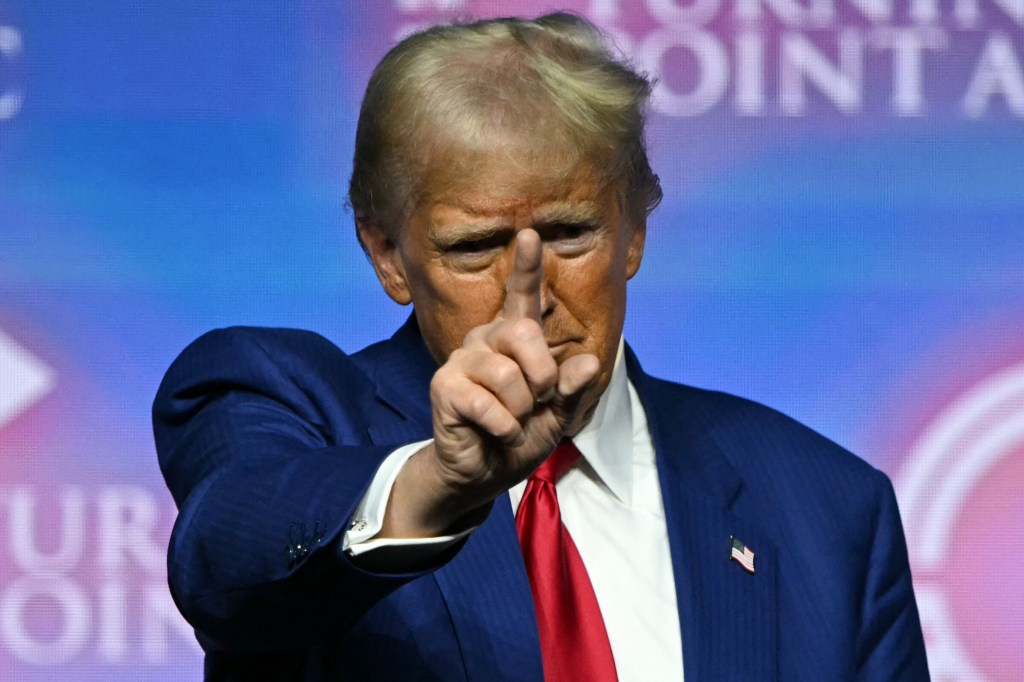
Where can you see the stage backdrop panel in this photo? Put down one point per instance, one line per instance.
(842, 237)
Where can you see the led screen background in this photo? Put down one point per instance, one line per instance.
(842, 238)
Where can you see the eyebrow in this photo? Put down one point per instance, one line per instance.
(576, 212)
(551, 214)
(454, 234)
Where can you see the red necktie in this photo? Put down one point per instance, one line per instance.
(573, 642)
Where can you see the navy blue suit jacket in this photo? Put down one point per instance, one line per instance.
(268, 438)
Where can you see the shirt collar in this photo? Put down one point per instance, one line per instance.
(606, 442)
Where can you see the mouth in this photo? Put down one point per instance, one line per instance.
(560, 347)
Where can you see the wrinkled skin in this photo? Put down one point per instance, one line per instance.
(519, 284)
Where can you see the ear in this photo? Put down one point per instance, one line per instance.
(637, 239)
(384, 254)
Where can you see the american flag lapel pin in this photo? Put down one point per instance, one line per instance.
(742, 554)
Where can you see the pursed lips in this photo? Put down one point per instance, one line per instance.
(557, 347)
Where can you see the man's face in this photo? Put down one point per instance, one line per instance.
(454, 254)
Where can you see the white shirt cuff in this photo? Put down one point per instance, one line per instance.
(368, 518)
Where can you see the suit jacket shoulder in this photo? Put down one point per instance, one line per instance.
(770, 454)
(832, 568)
(267, 439)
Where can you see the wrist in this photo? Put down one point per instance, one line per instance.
(424, 503)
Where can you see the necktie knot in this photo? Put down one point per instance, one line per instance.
(564, 456)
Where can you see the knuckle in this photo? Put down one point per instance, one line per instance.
(505, 371)
(547, 374)
(522, 409)
(479, 405)
(492, 417)
(439, 384)
(525, 330)
(444, 399)
(452, 368)
(456, 357)
(475, 336)
(506, 426)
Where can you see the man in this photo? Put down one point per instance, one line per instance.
(368, 516)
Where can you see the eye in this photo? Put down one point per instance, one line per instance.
(474, 253)
(569, 238)
(471, 246)
(571, 231)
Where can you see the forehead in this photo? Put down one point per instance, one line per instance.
(502, 179)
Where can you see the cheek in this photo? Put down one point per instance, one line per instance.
(475, 299)
(600, 277)
(453, 305)
(595, 299)
(450, 293)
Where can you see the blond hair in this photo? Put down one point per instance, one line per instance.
(551, 83)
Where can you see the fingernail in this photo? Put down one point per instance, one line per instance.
(547, 396)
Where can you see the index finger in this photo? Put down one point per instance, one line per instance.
(522, 289)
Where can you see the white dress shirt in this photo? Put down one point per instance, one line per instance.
(611, 504)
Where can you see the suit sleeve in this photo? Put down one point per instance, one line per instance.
(890, 643)
(259, 438)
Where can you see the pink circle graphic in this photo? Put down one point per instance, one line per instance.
(964, 517)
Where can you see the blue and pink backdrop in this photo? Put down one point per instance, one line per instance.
(842, 237)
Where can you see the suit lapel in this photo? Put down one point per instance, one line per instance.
(727, 616)
(485, 586)
(401, 369)
(489, 599)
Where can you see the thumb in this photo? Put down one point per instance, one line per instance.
(575, 375)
